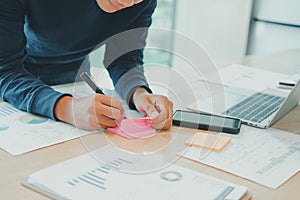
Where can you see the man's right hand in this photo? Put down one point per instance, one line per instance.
(91, 112)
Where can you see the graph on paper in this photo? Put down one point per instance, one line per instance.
(32, 119)
(21, 132)
(7, 110)
(93, 177)
(97, 176)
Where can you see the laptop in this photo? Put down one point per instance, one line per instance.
(256, 109)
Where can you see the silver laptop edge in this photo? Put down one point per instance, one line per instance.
(290, 102)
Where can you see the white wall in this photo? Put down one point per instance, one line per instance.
(276, 26)
(282, 11)
(221, 26)
(268, 38)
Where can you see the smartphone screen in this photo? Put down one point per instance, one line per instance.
(206, 121)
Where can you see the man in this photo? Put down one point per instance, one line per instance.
(45, 42)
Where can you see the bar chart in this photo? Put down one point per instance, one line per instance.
(7, 110)
(85, 177)
(98, 176)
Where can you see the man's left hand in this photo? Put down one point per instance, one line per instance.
(159, 108)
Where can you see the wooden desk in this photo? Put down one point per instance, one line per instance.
(14, 169)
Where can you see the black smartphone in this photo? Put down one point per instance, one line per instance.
(206, 122)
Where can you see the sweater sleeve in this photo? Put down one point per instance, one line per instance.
(124, 55)
(17, 86)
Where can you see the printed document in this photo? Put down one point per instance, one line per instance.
(266, 156)
(247, 77)
(109, 178)
(21, 132)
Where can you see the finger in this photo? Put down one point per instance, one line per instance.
(158, 124)
(166, 122)
(127, 3)
(108, 111)
(162, 108)
(160, 117)
(105, 122)
(99, 122)
(170, 117)
(152, 112)
(107, 6)
(117, 4)
(111, 102)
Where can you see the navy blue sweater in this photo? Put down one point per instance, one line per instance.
(44, 42)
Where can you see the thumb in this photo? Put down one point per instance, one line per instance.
(152, 112)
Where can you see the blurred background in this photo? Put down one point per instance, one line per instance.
(227, 29)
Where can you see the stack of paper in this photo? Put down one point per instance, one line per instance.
(266, 156)
(246, 77)
(86, 177)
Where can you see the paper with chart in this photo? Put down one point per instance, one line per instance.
(247, 77)
(86, 177)
(266, 156)
(21, 132)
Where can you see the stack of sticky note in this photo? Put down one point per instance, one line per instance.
(133, 128)
(208, 141)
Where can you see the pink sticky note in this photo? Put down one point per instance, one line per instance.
(133, 128)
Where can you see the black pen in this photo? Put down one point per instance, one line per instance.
(287, 83)
(91, 83)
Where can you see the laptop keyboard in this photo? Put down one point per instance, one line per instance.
(255, 108)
